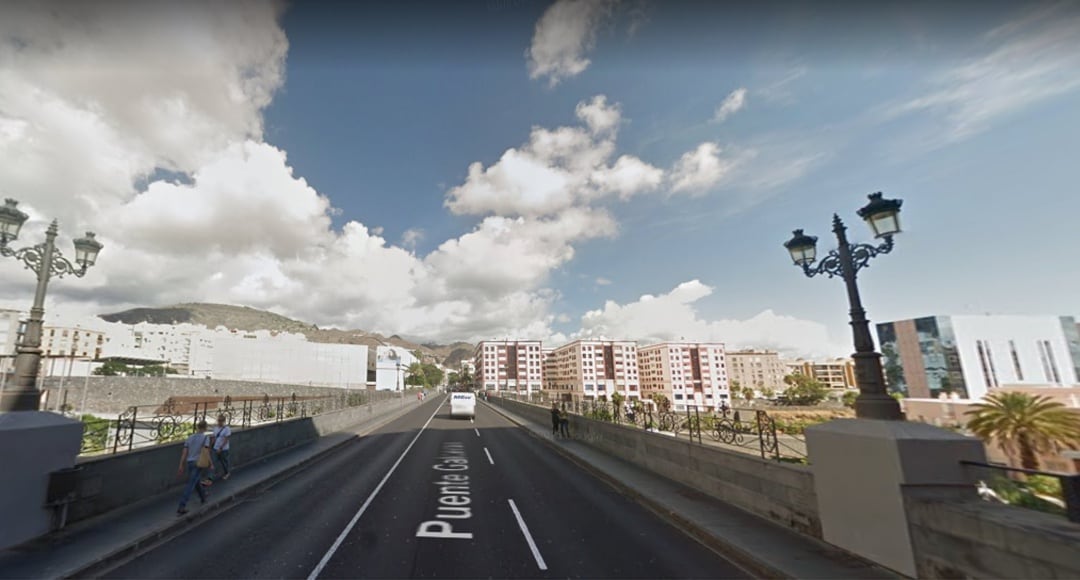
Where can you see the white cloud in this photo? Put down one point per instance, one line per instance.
(564, 35)
(1030, 60)
(556, 170)
(411, 237)
(673, 316)
(699, 170)
(732, 104)
(601, 281)
(115, 94)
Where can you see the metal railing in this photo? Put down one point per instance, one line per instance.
(1030, 488)
(747, 430)
(146, 425)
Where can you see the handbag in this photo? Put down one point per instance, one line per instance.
(203, 462)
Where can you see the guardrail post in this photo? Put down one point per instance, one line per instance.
(1070, 491)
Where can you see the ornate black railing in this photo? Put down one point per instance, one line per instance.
(750, 429)
(1029, 488)
(174, 420)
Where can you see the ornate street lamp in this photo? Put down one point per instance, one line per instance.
(47, 262)
(882, 215)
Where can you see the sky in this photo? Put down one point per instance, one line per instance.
(553, 170)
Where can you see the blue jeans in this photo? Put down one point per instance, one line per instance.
(223, 460)
(195, 476)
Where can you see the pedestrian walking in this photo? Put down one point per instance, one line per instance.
(195, 457)
(555, 420)
(222, 434)
(564, 422)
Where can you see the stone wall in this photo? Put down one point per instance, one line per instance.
(109, 396)
(977, 539)
(780, 492)
(112, 481)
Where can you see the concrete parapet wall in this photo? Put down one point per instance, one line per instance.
(780, 492)
(977, 539)
(113, 481)
(105, 396)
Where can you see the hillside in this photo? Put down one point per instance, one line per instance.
(249, 319)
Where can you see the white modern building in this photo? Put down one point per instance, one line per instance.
(509, 365)
(288, 358)
(391, 366)
(686, 373)
(9, 338)
(592, 370)
(970, 356)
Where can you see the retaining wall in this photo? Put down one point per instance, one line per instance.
(781, 492)
(109, 482)
(978, 539)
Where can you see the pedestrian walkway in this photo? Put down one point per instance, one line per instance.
(763, 547)
(109, 537)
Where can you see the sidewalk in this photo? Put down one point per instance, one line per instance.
(87, 546)
(764, 548)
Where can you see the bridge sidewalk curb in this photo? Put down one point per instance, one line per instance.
(181, 524)
(749, 562)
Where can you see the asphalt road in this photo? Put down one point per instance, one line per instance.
(427, 496)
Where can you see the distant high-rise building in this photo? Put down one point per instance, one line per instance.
(592, 370)
(969, 356)
(509, 365)
(758, 369)
(686, 373)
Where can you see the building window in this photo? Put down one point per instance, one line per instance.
(1050, 369)
(989, 374)
(1016, 361)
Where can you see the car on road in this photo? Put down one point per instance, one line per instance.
(462, 405)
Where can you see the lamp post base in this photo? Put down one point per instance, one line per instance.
(19, 399)
(878, 406)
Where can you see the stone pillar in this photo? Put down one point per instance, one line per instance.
(862, 470)
(33, 444)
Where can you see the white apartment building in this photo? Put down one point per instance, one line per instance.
(391, 366)
(686, 373)
(592, 370)
(758, 369)
(289, 358)
(509, 365)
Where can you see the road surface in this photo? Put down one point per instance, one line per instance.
(427, 496)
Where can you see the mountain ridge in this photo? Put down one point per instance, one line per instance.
(249, 319)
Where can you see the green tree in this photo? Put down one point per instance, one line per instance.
(110, 368)
(803, 390)
(433, 375)
(849, 398)
(661, 401)
(1024, 425)
(465, 378)
(415, 375)
(768, 393)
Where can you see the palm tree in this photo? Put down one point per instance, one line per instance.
(1025, 425)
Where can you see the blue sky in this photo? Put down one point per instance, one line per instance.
(391, 167)
(435, 88)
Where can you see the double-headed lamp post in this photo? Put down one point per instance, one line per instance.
(882, 215)
(47, 262)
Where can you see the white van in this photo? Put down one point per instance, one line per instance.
(462, 405)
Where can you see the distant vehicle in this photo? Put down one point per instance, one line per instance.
(462, 405)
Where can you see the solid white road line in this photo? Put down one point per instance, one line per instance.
(341, 537)
(490, 460)
(477, 431)
(528, 537)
